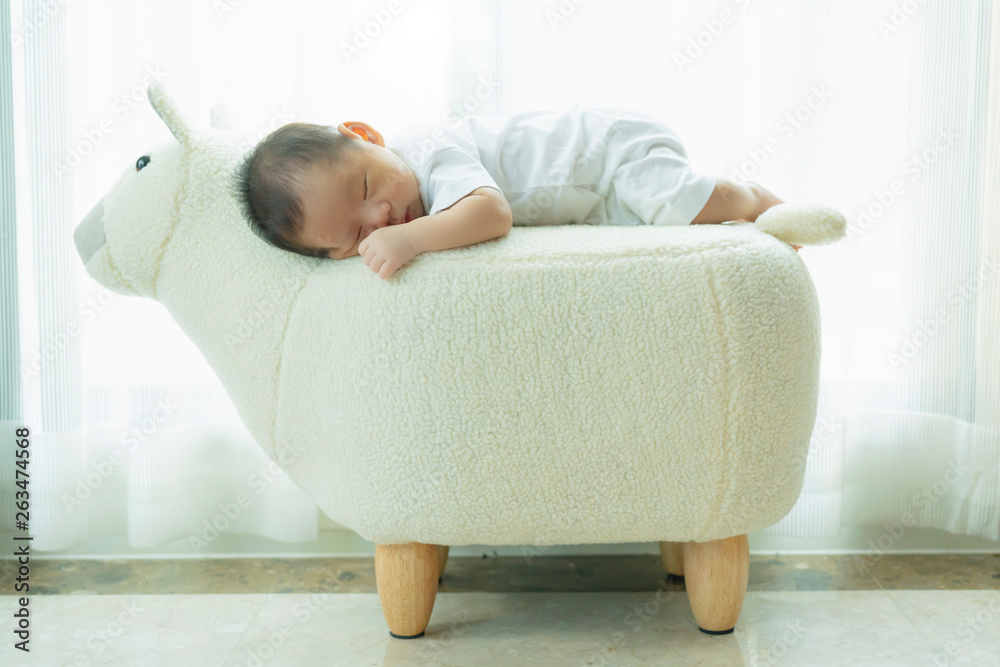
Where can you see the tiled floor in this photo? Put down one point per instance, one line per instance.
(799, 610)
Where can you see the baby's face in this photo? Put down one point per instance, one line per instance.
(344, 203)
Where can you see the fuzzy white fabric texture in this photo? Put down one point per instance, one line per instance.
(803, 223)
(559, 385)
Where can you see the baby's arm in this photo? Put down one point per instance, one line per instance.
(479, 216)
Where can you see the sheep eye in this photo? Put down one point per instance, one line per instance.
(141, 162)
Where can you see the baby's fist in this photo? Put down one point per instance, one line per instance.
(388, 248)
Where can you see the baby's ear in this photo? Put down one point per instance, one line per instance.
(351, 131)
(362, 130)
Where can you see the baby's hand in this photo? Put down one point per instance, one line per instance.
(388, 248)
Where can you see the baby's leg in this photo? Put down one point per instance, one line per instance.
(731, 201)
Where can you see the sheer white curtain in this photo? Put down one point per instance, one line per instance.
(887, 110)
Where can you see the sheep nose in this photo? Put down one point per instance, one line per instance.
(89, 234)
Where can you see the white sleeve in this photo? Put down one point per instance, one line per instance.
(452, 173)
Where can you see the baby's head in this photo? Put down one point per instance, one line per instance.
(319, 191)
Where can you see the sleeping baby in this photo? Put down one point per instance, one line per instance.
(337, 193)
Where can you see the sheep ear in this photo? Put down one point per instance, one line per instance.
(178, 124)
(221, 120)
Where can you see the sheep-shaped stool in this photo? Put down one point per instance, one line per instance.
(569, 384)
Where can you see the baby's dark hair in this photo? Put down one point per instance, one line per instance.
(270, 181)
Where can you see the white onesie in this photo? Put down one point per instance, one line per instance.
(584, 165)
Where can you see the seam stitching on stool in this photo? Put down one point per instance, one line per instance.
(726, 376)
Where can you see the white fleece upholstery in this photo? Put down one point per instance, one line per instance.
(559, 385)
(803, 223)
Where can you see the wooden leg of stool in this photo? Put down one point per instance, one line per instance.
(672, 554)
(716, 575)
(442, 561)
(406, 578)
